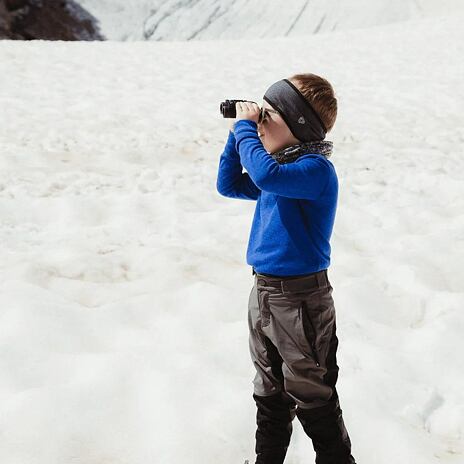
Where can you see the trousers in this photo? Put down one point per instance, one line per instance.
(293, 345)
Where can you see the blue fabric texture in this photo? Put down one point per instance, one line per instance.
(296, 203)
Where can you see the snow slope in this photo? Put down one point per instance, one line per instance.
(251, 19)
(123, 281)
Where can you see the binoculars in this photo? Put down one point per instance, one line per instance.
(227, 108)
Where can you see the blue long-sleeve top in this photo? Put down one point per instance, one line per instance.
(296, 203)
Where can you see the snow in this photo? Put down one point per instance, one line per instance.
(251, 19)
(124, 286)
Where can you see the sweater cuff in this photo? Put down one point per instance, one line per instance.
(245, 128)
(245, 123)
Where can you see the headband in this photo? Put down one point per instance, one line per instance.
(301, 118)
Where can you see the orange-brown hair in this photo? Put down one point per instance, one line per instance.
(320, 94)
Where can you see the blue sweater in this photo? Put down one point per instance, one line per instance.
(296, 203)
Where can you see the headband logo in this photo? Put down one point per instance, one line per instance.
(301, 120)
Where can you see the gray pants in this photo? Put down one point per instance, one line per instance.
(297, 316)
(293, 344)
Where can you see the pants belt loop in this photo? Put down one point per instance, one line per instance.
(321, 280)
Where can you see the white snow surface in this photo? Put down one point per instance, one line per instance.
(252, 19)
(123, 281)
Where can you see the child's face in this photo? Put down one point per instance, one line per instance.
(275, 134)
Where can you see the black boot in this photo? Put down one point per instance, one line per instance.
(325, 427)
(274, 420)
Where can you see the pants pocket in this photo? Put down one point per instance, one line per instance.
(310, 325)
(263, 305)
(318, 320)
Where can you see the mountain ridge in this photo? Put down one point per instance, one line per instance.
(159, 20)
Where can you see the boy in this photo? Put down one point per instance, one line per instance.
(291, 313)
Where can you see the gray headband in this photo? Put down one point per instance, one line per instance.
(300, 117)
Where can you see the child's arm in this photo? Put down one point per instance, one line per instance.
(303, 180)
(231, 181)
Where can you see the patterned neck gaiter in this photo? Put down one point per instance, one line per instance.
(292, 153)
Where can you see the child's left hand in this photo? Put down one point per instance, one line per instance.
(247, 110)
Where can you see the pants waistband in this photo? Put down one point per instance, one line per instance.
(294, 284)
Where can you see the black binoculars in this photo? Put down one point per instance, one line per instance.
(227, 108)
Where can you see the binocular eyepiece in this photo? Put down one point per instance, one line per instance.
(227, 108)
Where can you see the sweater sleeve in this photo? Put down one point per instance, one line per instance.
(231, 181)
(302, 179)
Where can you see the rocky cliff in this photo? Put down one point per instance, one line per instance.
(47, 20)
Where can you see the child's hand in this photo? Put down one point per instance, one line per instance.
(247, 110)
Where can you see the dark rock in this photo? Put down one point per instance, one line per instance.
(5, 22)
(47, 20)
(15, 4)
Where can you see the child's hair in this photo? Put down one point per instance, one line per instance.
(320, 94)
